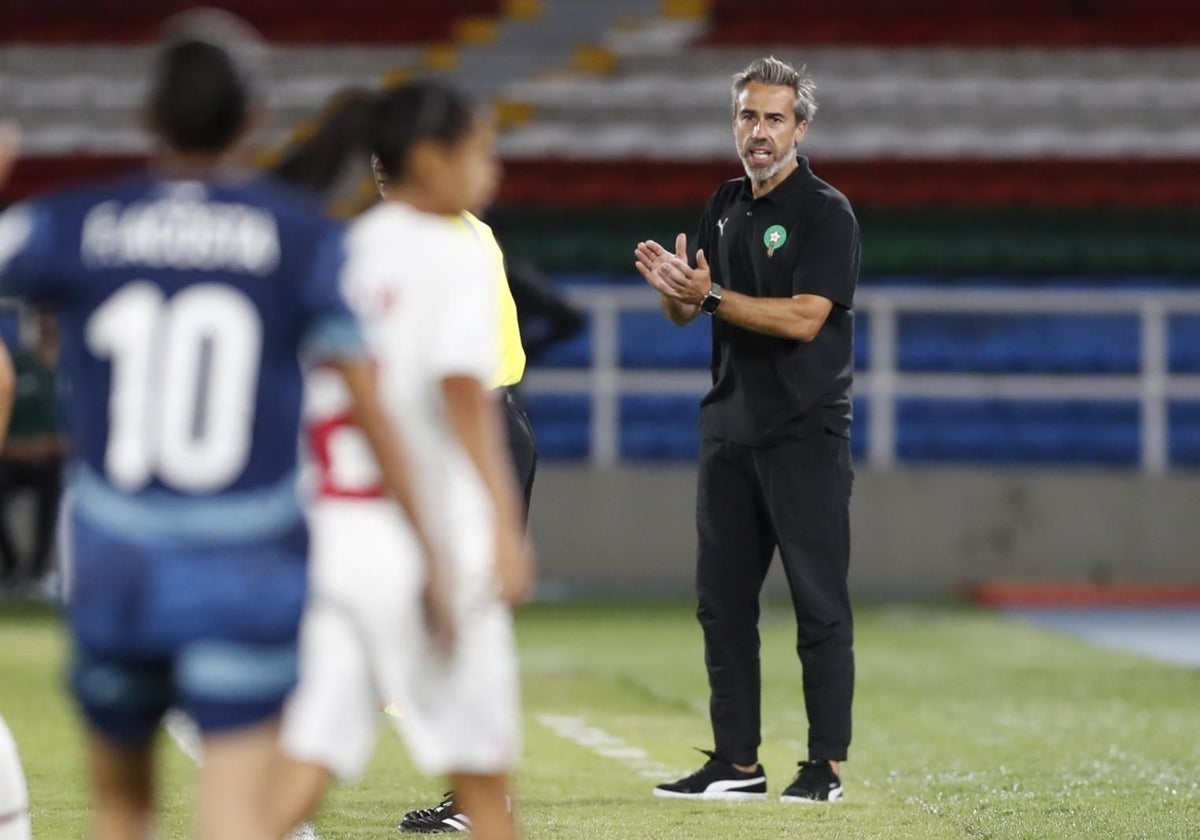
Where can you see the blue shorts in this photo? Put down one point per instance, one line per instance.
(207, 629)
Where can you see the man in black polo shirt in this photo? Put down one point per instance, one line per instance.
(775, 263)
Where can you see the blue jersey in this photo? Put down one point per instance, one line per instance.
(186, 307)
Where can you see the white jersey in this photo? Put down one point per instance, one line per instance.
(426, 295)
(422, 286)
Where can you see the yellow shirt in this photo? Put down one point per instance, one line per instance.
(510, 355)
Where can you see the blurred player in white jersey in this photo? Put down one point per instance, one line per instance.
(425, 291)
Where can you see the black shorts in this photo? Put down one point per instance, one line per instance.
(522, 446)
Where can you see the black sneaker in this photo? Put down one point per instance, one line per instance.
(717, 779)
(443, 818)
(816, 782)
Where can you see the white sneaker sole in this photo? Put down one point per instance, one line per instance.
(716, 796)
(836, 796)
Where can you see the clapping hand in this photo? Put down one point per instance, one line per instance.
(670, 274)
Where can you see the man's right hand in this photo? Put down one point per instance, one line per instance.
(650, 258)
(651, 261)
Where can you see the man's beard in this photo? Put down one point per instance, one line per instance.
(771, 171)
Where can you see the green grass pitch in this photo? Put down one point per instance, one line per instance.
(967, 725)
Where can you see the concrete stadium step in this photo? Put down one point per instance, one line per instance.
(924, 103)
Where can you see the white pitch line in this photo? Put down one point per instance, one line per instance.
(185, 735)
(575, 728)
(304, 832)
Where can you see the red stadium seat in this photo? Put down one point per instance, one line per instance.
(297, 22)
(877, 183)
(980, 23)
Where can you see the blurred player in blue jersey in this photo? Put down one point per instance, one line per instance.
(14, 795)
(188, 298)
(9, 142)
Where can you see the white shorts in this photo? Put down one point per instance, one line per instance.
(363, 647)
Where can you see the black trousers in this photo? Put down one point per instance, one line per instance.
(522, 447)
(794, 496)
(45, 479)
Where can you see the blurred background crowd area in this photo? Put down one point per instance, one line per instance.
(1026, 174)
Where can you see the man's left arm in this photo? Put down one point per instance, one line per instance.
(825, 275)
(798, 318)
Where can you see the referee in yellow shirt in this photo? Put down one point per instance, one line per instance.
(510, 367)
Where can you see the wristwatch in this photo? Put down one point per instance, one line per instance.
(710, 302)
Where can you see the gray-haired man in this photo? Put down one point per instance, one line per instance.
(775, 264)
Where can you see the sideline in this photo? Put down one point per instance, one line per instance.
(575, 728)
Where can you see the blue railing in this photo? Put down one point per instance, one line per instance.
(1018, 376)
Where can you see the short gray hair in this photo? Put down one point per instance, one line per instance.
(772, 71)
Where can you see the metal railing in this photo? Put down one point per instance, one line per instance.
(882, 384)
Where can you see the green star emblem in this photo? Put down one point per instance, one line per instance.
(773, 238)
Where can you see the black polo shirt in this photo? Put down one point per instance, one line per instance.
(800, 238)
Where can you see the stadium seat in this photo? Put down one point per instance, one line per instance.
(562, 424)
(300, 21)
(663, 427)
(1077, 344)
(979, 23)
(1013, 432)
(1183, 344)
(1184, 433)
(648, 340)
(659, 428)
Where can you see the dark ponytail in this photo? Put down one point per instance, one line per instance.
(317, 162)
(414, 112)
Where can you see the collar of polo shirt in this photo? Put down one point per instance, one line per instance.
(785, 188)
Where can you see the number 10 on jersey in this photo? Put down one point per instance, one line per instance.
(184, 381)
